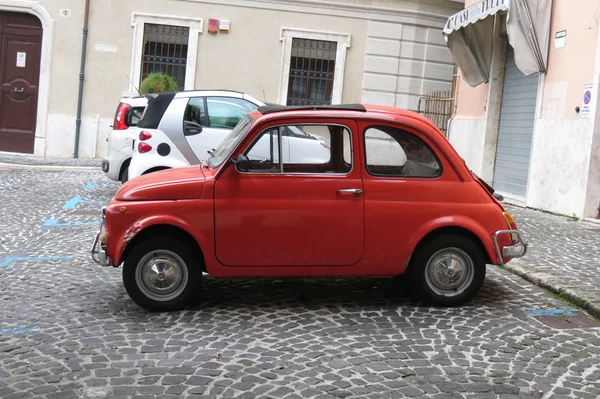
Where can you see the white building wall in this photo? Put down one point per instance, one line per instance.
(404, 61)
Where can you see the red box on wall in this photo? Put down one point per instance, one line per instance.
(213, 25)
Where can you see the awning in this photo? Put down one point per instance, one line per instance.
(469, 35)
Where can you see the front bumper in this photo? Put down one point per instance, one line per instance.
(98, 250)
(517, 250)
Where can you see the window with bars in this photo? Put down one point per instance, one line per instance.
(165, 50)
(312, 69)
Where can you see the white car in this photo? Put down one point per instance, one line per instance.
(179, 129)
(116, 162)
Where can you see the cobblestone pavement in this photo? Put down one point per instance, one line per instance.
(564, 256)
(68, 329)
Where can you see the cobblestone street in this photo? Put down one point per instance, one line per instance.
(69, 330)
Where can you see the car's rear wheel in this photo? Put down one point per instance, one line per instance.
(161, 274)
(448, 270)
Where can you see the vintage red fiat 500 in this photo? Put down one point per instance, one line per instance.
(340, 191)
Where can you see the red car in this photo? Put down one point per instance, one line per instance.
(391, 197)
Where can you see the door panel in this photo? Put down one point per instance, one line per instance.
(289, 220)
(218, 116)
(20, 49)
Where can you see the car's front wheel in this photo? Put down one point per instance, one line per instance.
(448, 270)
(161, 274)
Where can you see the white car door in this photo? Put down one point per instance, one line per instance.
(217, 116)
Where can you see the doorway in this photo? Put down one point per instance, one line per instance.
(20, 52)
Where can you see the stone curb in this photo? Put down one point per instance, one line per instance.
(585, 299)
(57, 168)
(31, 160)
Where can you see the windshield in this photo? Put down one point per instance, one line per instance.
(231, 141)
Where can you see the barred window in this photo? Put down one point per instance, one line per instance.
(165, 51)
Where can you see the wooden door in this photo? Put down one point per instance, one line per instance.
(20, 51)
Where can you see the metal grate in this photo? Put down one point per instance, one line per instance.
(565, 322)
(312, 69)
(165, 50)
(438, 108)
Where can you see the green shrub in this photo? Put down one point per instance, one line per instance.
(158, 83)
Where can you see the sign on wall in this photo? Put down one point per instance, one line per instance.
(560, 39)
(588, 91)
(21, 59)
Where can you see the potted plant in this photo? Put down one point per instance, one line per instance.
(158, 83)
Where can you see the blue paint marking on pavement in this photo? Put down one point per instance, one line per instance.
(73, 202)
(9, 260)
(16, 330)
(553, 312)
(56, 222)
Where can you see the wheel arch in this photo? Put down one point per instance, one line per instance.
(124, 166)
(169, 230)
(453, 231)
(464, 227)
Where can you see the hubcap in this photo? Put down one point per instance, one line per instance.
(161, 275)
(449, 272)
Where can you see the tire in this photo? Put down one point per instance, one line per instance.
(444, 288)
(125, 175)
(143, 283)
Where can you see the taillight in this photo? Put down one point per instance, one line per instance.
(144, 136)
(511, 225)
(144, 147)
(121, 117)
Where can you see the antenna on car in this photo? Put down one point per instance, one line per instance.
(136, 89)
(265, 96)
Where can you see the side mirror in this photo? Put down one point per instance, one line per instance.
(242, 163)
(191, 128)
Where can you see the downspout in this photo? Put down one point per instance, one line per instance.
(81, 77)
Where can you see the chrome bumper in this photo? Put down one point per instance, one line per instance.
(517, 250)
(98, 250)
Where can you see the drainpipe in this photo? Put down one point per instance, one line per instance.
(81, 77)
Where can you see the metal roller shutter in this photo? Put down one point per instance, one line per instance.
(515, 133)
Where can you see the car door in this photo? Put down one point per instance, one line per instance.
(299, 211)
(217, 115)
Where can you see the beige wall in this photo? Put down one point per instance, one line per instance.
(571, 67)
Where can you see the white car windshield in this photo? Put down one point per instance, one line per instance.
(230, 143)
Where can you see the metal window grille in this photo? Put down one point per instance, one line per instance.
(438, 107)
(165, 50)
(312, 69)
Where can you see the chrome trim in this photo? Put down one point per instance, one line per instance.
(517, 250)
(98, 251)
(355, 191)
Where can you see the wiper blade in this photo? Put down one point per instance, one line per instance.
(211, 152)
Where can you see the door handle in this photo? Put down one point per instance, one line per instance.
(21, 90)
(350, 191)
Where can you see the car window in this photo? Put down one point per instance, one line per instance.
(134, 115)
(227, 112)
(398, 153)
(303, 149)
(264, 153)
(194, 112)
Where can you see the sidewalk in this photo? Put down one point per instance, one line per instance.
(30, 160)
(564, 256)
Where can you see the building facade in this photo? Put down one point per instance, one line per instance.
(526, 117)
(289, 52)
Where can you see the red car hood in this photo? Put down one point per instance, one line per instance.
(171, 184)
